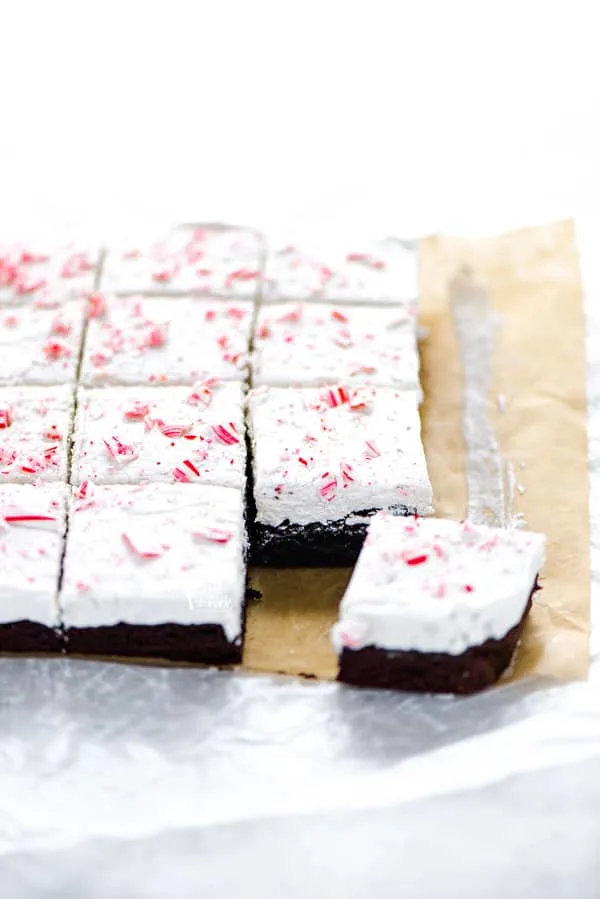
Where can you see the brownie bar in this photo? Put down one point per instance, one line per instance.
(30, 637)
(330, 544)
(204, 643)
(433, 672)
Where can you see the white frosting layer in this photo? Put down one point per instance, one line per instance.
(132, 340)
(32, 526)
(386, 272)
(317, 462)
(28, 271)
(308, 345)
(34, 429)
(437, 586)
(154, 555)
(39, 344)
(211, 260)
(125, 435)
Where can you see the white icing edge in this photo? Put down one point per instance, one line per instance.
(390, 604)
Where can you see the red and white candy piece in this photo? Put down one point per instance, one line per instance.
(211, 534)
(347, 473)
(187, 474)
(96, 305)
(17, 518)
(121, 452)
(156, 337)
(138, 411)
(366, 259)
(54, 350)
(142, 544)
(327, 486)
(77, 264)
(84, 495)
(174, 430)
(371, 451)
(226, 434)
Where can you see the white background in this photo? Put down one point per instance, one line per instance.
(408, 117)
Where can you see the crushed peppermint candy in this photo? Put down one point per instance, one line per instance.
(54, 350)
(25, 285)
(174, 431)
(327, 486)
(211, 534)
(236, 312)
(336, 396)
(61, 327)
(122, 452)
(347, 473)
(202, 393)
(183, 476)
(43, 522)
(96, 305)
(75, 265)
(156, 337)
(142, 545)
(225, 434)
(371, 451)
(84, 496)
(419, 559)
(366, 259)
(339, 316)
(166, 274)
(137, 411)
(294, 315)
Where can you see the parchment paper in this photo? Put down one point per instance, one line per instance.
(532, 277)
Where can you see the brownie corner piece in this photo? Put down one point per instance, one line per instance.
(426, 672)
(436, 605)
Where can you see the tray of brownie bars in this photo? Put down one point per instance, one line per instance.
(266, 511)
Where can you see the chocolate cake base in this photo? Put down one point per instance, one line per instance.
(203, 643)
(316, 545)
(30, 637)
(432, 672)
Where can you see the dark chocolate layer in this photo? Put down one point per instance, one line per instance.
(200, 643)
(432, 672)
(30, 637)
(330, 544)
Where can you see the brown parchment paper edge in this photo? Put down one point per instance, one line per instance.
(533, 280)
